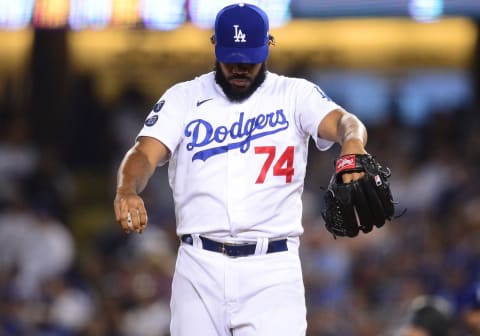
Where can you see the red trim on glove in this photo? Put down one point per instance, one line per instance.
(346, 162)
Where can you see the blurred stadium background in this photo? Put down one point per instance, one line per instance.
(77, 78)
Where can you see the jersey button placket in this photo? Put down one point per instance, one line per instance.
(234, 179)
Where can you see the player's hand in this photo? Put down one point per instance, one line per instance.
(350, 177)
(130, 211)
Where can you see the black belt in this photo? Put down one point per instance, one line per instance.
(236, 250)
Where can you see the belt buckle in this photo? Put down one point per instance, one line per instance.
(224, 249)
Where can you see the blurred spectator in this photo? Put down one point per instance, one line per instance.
(18, 159)
(327, 268)
(470, 312)
(429, 316)
(151, 274)
(87, 141)
(150, 313)
(50, 187)
(62, 309)
(128, 113)
(34, 246)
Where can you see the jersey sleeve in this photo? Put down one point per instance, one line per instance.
(313, 105)
(165, 120)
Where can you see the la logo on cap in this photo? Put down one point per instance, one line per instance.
(232, 25)
(239, 35)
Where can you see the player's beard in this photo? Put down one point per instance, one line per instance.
(237, 95)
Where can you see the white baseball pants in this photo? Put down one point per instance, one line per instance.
(216, 295)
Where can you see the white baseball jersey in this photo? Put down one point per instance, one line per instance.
(237, 169)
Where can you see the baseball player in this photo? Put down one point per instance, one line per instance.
(429, 316)
(236, 143)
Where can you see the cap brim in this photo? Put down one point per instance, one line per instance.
(241, 55)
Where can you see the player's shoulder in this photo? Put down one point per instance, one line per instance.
(191, 86)
(288, 82)
(193, 83)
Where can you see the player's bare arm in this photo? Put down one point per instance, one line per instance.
(136, 168)
(346, 129)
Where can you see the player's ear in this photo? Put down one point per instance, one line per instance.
(213, 40)
(271, 40)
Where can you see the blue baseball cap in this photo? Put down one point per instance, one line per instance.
(241, 34)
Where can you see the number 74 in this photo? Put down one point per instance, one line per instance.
(283, 166)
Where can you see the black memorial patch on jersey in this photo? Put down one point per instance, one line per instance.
(158, 106)
(151, 121)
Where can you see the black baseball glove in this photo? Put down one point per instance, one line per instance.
(361, 204)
